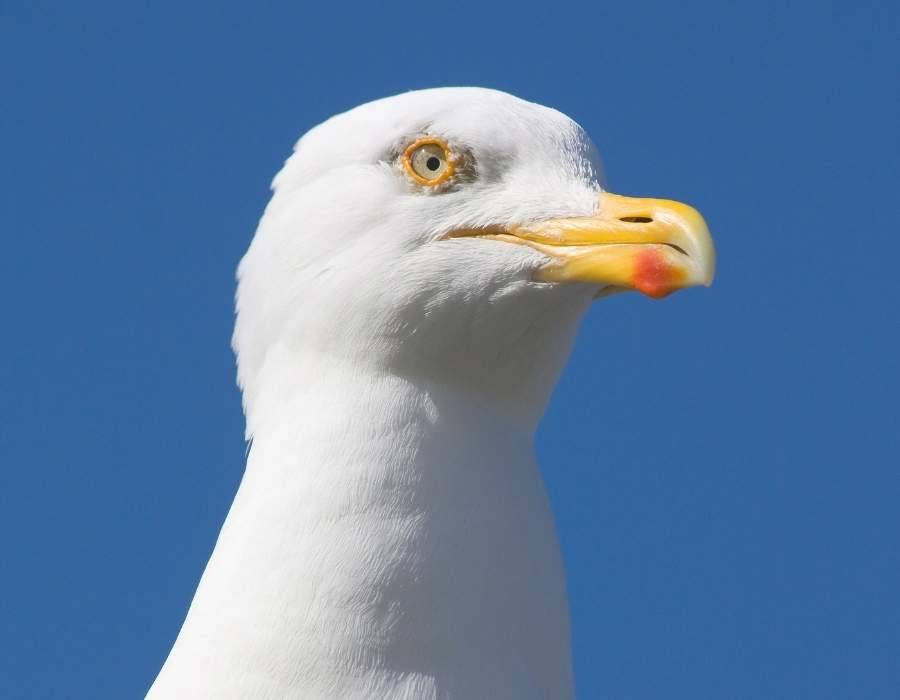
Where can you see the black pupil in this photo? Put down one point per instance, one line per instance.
(433, 163)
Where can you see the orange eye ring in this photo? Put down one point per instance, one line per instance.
(434, 149)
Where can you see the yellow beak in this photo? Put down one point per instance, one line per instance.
(655, 246)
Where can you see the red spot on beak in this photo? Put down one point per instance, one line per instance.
(653, 275)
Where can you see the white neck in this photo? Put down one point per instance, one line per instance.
(392, 544)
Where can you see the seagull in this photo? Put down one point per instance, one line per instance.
(407, 303)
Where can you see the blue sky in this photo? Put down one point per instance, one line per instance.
(723, 464)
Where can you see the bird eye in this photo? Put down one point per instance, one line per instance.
(428, 161)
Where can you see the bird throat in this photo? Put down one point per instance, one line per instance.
(387, 540)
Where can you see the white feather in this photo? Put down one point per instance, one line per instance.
(391, 538)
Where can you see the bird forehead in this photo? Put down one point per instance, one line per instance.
(472, 118)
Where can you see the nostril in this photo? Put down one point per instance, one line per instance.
(636, 219)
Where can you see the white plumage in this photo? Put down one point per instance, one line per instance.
(391, 538)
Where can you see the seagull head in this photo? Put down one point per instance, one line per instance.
(452, 236)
